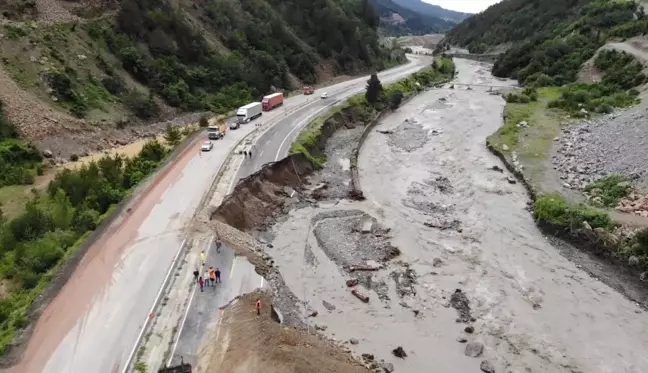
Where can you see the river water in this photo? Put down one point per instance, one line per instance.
(533, 310)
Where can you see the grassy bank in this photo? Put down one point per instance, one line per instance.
(525, 141)
(55, 222)
(529, 130)
(366, 106)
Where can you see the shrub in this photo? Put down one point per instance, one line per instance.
(172, 135)
(518, 98)
(114, 84)
(204, 121)
(374, 89)
(395, 99)
(555, 210)
(142, 106)
(610, 189)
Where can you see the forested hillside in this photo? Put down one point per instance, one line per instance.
(513, 21)
(126, 59)
(422, 7)
(551, 40)
(397, 20)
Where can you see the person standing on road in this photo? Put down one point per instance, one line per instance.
(202, 257)
(258, 306)
(196, 273)
(201, 283)
(212, 275)
(206, 277)
(218, 245)
(217, 273)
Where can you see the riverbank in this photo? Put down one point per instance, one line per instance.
(528, 143)
(317, 171)
(436, 218)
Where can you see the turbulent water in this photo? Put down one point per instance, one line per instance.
(533, 310)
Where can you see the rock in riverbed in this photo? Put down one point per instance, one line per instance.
(399, 352)
(459, 301)
(474, 349)
(486, 367)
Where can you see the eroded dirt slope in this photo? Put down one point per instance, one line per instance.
(248, 343)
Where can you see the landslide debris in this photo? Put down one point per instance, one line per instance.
(262, 345)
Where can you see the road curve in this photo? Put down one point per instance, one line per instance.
(97, 318)
(274, 144)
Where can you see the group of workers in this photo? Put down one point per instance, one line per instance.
(213, 275)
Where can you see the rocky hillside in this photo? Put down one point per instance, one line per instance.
(398, 20)
(76, 73)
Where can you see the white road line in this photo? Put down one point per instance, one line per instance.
(261, 153)
(184, 318)
(157, 298)
(233, 265)
(172, 266)
(234, 180)
(298, 126)
(262, 282)
(345, 87)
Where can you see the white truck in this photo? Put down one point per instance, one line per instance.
(249, 112)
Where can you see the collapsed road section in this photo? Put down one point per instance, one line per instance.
(180, 323)
(441, 267)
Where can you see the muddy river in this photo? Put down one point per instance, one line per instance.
(530, 308)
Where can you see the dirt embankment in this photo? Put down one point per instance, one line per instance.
(262, 195)
(256, 343)
(267, 193)
(256, 205)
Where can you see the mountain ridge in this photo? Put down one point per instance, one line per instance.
(433, 10)
(399, 20)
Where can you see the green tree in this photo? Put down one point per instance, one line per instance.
(204, 121)
(395, 99)
(62, 211)
(374, 89)
(172, 135)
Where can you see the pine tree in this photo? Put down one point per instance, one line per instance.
(374, 89)
(172, 135)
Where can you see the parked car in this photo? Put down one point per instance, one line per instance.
(235, 125)
(207, 146)
(324, 95)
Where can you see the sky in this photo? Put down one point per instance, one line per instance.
(467, 6)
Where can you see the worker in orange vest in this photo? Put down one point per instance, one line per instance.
(258, 306)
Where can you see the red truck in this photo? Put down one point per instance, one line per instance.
(270, 102)
(308, 90)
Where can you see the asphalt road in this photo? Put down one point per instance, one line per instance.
(274, 144)
(96, 320)
(237, 277)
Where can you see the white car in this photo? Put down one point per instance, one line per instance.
(324, 95)
(207, 146)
